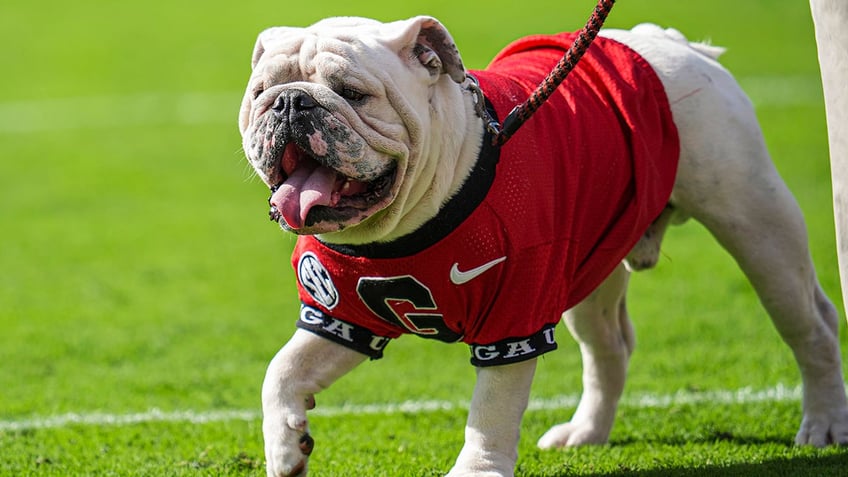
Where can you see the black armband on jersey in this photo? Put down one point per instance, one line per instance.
(352, 336)
(514, 350)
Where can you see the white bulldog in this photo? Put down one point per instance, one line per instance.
(372, 137)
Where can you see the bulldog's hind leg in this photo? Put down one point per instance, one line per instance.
(601, 326)
(765, 233)
(726, 181)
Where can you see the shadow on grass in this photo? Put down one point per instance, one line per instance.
(833, 465)
(826, 466)
(713, 453)
(709, 436)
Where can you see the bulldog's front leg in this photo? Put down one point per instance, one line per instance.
(306, 365)
(494, 420)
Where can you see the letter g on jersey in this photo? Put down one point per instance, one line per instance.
(316, 281)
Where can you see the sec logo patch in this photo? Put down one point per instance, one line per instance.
(316, 281)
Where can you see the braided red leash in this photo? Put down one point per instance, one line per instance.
(522, 112)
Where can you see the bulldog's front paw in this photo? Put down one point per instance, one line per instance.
(477, 473)
(287, 451)
(572, 434)
(824, 428)
(287, 444)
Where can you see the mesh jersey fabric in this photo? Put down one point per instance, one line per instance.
(572, 192)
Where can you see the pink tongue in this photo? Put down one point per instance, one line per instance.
(307, 186)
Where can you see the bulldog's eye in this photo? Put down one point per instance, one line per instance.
(258, 91)
(351, 94)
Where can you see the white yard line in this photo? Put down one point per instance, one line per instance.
(197, 108)
(779, 393)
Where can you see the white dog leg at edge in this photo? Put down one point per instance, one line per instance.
(831, 22)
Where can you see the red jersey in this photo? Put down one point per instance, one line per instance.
(539, 224)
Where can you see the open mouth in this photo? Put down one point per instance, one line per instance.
(311, 192)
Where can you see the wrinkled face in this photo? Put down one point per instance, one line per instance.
(319, 130)
(335, 114)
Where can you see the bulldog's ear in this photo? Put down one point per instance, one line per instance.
(261, 41)
(432, 46)
(258, 50)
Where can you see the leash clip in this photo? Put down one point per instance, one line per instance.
(492, 126)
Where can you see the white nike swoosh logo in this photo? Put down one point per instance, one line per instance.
(458, 278)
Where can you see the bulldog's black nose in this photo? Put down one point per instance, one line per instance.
(292, 101)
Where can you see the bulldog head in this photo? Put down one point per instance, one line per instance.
(341, 120)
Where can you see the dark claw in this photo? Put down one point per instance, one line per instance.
(298, 469)
(307, 443)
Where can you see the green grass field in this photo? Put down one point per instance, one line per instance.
(143, 291)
